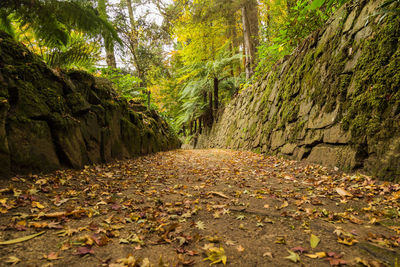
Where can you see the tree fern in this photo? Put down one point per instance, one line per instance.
(53, 20)
(5, 23)
(80, 52)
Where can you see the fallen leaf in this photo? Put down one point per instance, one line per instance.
(200, 225)
(52, 256)
(218, 194)
(128, 261)
(216, 255)
(21, 239)
(81, 251)
(318, 255)
(268, 254)
(284, 205)
(280, 240)
(240, 248)
(36, 204)
(293, 256)
(343, 192)
(347, 241)
(12, 260)
(314, 241)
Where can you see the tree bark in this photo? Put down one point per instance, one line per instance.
(216, 81)
(210, 106)
(134, 43)
(200, 125)
(250, 34)
(108, 42)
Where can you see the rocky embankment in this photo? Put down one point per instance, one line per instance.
(335, 101)
(54, 119)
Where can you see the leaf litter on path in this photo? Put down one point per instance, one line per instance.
(200, 207)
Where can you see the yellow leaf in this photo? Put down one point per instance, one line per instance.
(284, 205)
(3, 201)
(347, 241)
(318, 255)
(12, 260)
(36, 204)
(314, 241)
(21, 239)
(216, 255)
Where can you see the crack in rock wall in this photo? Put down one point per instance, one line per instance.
(335, 101)
(54, 119)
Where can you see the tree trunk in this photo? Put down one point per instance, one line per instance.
(250, 34)
(108, 42)
(216, 81)
(210, 107)
(200, 125)
(130, 13)
(134, 43)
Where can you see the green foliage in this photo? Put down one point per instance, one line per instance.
(197, 80)
(5, 23)
(60, 31)
(79, 53)
(287, 24)
(53, 20)
(125, 83)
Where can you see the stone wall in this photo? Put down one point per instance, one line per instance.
(53, 119)
(335, 101)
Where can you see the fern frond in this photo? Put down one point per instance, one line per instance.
(5, 23)
(53, 20)
(79, 53)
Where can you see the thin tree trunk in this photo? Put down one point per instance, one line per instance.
(135, 43)
(130, 13)
(200, 125)
(250, 34)
(216, 81)
(108, 43)
(210, 106)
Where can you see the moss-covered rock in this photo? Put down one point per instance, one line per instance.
(54, 119)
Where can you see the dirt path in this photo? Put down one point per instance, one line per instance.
(175, 208)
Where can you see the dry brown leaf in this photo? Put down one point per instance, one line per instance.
(342, 192)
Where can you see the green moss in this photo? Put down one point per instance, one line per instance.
(77, 103)
(376, 83)
(257, 150)
(319, 51)
(253, 129)
(296, 131)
